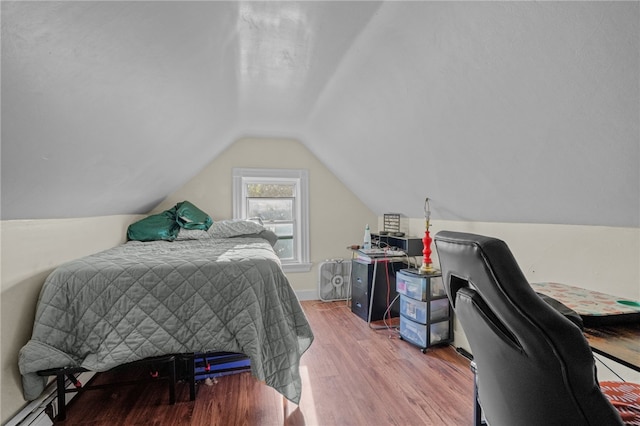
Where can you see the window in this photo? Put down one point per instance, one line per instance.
(279, 198)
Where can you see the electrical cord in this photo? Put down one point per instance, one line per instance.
(608, 368)
(387, 313)
(389, 326)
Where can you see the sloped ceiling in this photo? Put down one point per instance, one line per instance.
(498, 111)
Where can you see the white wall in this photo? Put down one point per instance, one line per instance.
(30, 250)
(601, 258)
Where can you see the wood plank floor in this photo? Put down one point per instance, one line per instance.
(351, 375)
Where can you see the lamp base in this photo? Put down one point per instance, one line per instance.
(427, 268)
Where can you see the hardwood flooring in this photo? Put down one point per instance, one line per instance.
(351, 375)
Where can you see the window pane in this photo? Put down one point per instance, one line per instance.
(282, 230)
(279, 198)
(284, 249)
(270, 209)
(270, 190)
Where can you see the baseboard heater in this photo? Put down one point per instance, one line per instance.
(41, 411)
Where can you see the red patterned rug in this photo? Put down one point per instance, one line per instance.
(625, 397)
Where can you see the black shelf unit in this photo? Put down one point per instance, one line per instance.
(362, 279)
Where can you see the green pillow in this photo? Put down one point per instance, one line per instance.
(161, 226)
(189, 216)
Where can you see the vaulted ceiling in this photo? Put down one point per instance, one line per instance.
(498, 111)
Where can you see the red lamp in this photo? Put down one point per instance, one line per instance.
(427, 267)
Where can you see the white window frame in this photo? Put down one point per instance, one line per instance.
(300, 179)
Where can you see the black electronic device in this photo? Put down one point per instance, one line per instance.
(412, 246)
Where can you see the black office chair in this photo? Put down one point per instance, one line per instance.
(533, 365)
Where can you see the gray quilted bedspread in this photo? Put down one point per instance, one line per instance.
(142, 300)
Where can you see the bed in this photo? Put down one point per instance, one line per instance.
(209, 291)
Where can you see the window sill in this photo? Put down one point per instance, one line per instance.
(296, 267)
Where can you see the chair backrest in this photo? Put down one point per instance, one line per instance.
(534, 366)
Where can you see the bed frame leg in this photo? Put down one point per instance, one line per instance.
(172, 381)
(62, 399)
(192, 376)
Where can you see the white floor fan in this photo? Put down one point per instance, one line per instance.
(334, 281)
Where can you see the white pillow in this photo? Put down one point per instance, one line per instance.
(234, 228)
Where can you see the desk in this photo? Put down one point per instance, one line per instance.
(612, 329)
(620, 342)
(596, 308)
